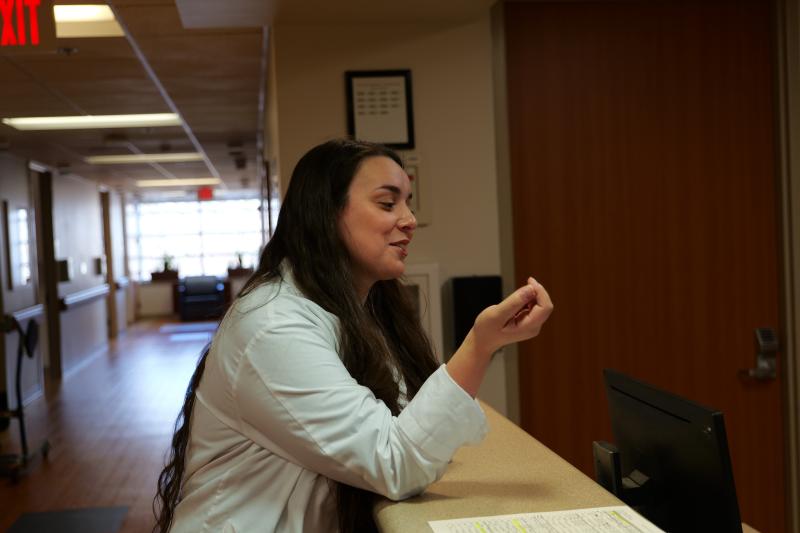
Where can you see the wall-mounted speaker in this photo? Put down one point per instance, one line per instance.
(470, 296)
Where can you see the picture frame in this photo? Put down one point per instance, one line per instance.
(420, 188)
(380, 107)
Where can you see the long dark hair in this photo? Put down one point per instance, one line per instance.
(372, 336)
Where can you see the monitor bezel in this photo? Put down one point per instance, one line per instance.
(699, 417)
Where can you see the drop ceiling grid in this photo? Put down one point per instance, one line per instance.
(211, 74)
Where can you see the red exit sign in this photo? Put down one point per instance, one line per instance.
(26, 23)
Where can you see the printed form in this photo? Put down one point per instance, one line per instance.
(618, 519)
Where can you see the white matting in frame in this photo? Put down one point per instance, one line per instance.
(379, 107)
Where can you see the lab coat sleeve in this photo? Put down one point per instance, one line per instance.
(295, 398)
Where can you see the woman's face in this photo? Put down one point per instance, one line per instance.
(377, 224)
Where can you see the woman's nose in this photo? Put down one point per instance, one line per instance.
(408, 222)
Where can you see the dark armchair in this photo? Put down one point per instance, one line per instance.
(201, 298)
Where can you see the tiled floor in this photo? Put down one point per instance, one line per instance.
(109, 424)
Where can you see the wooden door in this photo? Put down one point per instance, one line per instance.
(643, 161)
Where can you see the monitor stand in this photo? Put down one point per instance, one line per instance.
(635, 489)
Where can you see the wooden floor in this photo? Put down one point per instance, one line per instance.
(109, 424)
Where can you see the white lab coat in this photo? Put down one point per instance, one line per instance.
(277, 416)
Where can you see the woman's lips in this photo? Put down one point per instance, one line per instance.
(403, 246)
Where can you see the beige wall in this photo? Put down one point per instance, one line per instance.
(78, 230)
(15, 189)
(273, 192)
(272, 139)
(78, 233)
(453, 120)
(504, 203)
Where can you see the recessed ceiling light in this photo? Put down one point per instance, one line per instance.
(174, 157)
(191, 182)
(86, 21)
(87, 122)
(82, 13)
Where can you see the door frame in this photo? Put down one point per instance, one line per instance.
(787, 61)
(787, 47)
(42, 183)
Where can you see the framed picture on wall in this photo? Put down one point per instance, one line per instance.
(379, 107)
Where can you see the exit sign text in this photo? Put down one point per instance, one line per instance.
(20, 22)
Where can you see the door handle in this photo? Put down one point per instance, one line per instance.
(766, 355)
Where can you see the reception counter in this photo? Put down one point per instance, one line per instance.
(509, 472)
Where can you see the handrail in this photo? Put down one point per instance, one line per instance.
(28, 312)
(121, 283)
(7, 321)
(84, 296)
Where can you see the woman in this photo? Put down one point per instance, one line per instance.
(320, 388)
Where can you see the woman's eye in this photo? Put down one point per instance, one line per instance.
(388, 205)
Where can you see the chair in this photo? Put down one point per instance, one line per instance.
(201, 298)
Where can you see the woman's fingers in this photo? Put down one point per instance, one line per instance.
(519, 299)
(529, 318)
(542, 296)
(517, 318)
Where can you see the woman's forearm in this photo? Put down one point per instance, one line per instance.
(468, 365)
(517, 318)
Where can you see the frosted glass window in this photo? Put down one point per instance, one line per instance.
(19, 246)
(197, 238)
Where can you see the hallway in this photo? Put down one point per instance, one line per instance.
(109, 424)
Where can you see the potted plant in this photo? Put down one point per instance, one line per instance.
(169, 272)
(239, 270)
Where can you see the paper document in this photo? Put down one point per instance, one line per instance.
(617, 519)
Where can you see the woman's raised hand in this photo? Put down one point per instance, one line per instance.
(517, 318)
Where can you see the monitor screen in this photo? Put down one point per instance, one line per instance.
(682, 448)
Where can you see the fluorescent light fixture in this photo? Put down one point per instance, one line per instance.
(88, 122)
(189, 182)
(82, 13)
(86, 21)
(170, 157)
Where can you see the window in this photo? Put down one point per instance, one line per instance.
(22, 242)
(17, 235)
(194, 238)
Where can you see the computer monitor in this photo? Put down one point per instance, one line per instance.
(681, 449)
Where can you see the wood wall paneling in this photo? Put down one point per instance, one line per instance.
(643, 178)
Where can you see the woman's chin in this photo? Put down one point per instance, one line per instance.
(396, 272)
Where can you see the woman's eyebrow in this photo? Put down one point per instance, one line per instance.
(395, 190)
